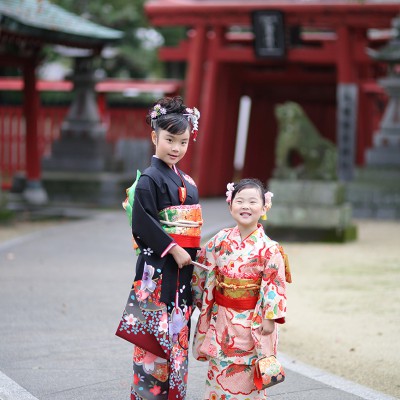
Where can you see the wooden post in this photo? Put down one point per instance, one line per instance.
(225, 119)
(194, 82)
(209, 108)
(195, 65)
(34, 192)
(31, 112)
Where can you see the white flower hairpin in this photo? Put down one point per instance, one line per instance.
(157, 111)
(193, 116)
(268, 200)
(230, 187)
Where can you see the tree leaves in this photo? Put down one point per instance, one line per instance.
(136, 53)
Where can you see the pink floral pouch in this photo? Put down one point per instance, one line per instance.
(268, 372)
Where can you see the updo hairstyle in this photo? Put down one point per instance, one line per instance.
(173, 120)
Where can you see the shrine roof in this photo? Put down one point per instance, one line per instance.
(40, 19)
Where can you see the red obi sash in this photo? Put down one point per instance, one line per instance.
(185, 240)
(248, 303)
(183, 223)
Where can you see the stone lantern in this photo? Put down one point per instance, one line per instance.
(85, 168)
(82, 146)
(386, 150)
(375, 191)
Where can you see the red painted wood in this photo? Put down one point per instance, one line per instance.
(209, 107)
(345, 65)
(123, 123)
(315, 13)
(220, 166)
(228, 135)
(193, 87)
(106, 86)
(332, 50)
(31, 111)
(24, 140)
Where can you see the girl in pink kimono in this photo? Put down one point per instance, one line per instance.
(241, 297)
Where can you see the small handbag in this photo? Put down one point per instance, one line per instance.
(268, 372)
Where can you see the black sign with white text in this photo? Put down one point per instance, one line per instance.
(269, 34)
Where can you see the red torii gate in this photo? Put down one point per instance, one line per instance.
(328, 53)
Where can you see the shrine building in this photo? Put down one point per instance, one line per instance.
(26, 26)
(256, 54)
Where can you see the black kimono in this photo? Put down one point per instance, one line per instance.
(157, 316)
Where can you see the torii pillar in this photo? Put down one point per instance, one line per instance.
(198, 38)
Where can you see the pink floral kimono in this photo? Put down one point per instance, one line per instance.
(245, 283)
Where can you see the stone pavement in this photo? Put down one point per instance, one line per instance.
(62, 291)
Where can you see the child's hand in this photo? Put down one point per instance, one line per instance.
(181, 256)
(267, 327)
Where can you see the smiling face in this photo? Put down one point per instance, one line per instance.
(246, 209)
(170, 148)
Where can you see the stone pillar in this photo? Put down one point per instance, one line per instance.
(347, 104)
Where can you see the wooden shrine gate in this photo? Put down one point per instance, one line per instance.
(324, 64)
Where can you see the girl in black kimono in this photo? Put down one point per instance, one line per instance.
(166, 222)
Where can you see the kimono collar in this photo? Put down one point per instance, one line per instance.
(162, 166)
(174, 174)
(259, 233)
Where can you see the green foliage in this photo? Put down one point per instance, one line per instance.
(5, 214)
(136, 53)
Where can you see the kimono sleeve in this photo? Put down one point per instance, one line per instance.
(146, 227)
(204, 297)
(200, 276)
(273, 288)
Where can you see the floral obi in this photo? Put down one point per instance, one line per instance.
(183, 223)
(237, 293)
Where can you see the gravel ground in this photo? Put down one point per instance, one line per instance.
(344, 306)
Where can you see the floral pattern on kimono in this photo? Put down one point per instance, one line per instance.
(157, 315)
(226, 335)
(153, 376)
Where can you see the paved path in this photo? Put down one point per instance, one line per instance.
(62, 291)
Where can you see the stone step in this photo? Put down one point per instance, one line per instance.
(377, 175)
(383, 156)
(310, 216)
(374, 200)
(307, 192)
